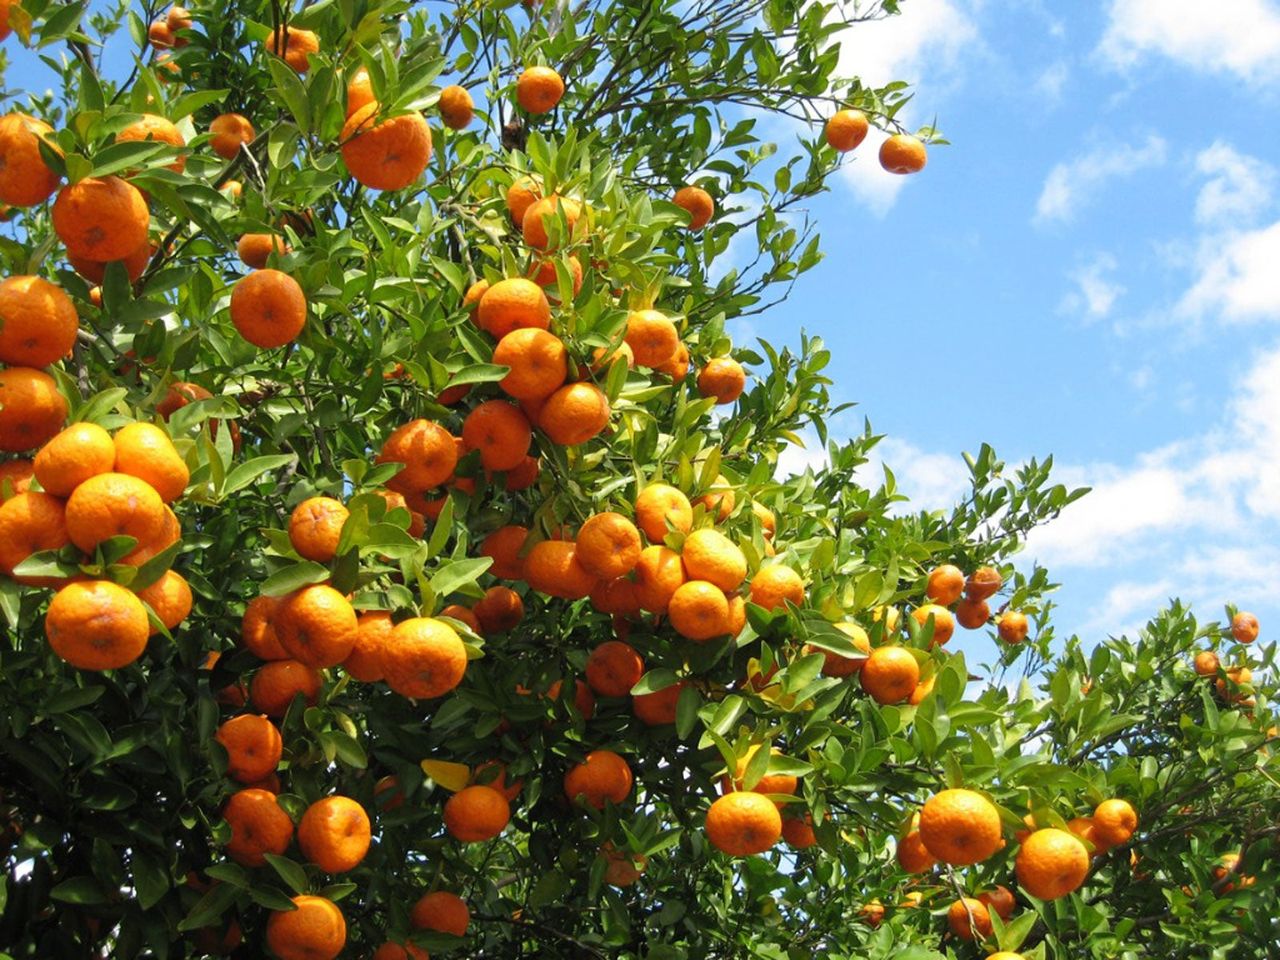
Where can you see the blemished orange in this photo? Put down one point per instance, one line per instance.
(169, 597)
(601, 778)
(276, 683)
(608, 545)
(944, 625)
(456, 107)
(81, 451)
(657, 708)
(25, 179)
(533, 225)
(1244, 626)
(552, 567)
(441, 911)
(513, 304)
(428, 452)
(960, 827)
(743, 823)
(373, 633)
(846, 129)
(101, 218)
(613, 668)
(1051, 863)
(1206, 663)
(709, 555)
(424, 658)
(538, 360)
(334, 834)
(968, 918)
(258, 826)
(659, 574)
(574, 414)
(872, 914)
(1000, 899)
(504, 546)
(359, 91)
(500, 610)
(385, 153)
(913, 855)
(15, 478)
(722, 378)
(539, 89)
(229, 131)
(255, 249)
(253, 746)
(257, 632)
(476, 813)
(972, 614)
(945, 584)
(96, 625)
(902, 153)
(158, 129)
(500, 431)
(111, 505)
(1012, 626)
(659, 504)
(316, 930)
(890, 674)
(315, 527)
(1114, 822)
(699, 204)
(699, 611)
(268, 308)
(775, 584)
(983, 583)
(31, 409)
(145, 451)
(295, 45)
(652, 337)
(316, 626)
(38, 322)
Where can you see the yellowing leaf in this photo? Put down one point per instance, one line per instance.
(452, 776)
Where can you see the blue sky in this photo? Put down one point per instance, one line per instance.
(1092, 269)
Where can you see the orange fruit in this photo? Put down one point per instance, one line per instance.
(1000, 899)
(770, 783)
(776, 584)
(38, 322)
(602, 357)
(359, 91)
(255, 249)
(81, 451)
(169, 533)
(95, 271)
(698, 610)
(500, 432)
(538, 362)
(616, 597)
(972, 614)
(959, 827)
(258, 826)
(424, 658)
(160, 36)
(574, 414)
(872, 914)
(613, 668)
(15, 478)
(552, 567)
(1082, 827)
(944, 624)
(1237, 676)
(709, 555)
(1012, 626)
(983, 583)
(315, 930)
(743, 823)
(722, 378)
(846, 129)
(334, 834)
(493, 773)
(253, 746)
(177, 20)
(968, 918)
(31, 409)
(504, 546)
(169, 597)
(521, 195)
(387, 794)
(25, 179)
(623, 868)
(657, 708)
(533, 226)
(476, 813)
(651, 336)
(659, 574)
(913, 855)
(583, 699)
(110, 505)
(513, 304)
(276, 684)
(315, 526)
(720, 502)
(945, 585)
(101, 218)
(1051, 863)
(96, 625)
(159, 130)
(385, 154)
(228, 131)
(1114, 822)
(500, 610)
(890, 674)
(602, 777)
(902, 153)
(295, 45)
(544, 275)
(1244, 626)
(698, 203)
(373, 633)
(428, 452)
(798, 831)
(922, 690)
(539, 89)
(456, 107)
(837, 665)
(658, 504)
(268, 308)
(441, 911)
(256, 630)
(316, 626)
(1206, 663)
(608, 546)
(400, 951)
(145, 451)
(678, 366)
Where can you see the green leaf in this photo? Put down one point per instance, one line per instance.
(294, 577)
(251, 470)
(150, 879)
(291, 873)
(85, 890)
(458, 573)
(655, 680)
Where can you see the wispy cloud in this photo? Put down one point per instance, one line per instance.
(1238, 189)
(1074, 183)
(1094, 294)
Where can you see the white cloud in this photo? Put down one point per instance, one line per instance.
(1051, 81)
(1238, 279)
(1094, 294)
(1240, 37)
(1239, 186)
(1072, 184)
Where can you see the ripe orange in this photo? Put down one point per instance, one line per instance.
(616, 597)
(316, 625)
(428, 452)
(456, 107)
(145, 451)
(839, 665)
(160, 36)
(96, 625)
(972, 614)
(493, 773)
(315, 526)
(476, 813)
(544, 275)
(613, 668)
(913, 855)
(872, 914)
(513, 304)
(945, 585)
(658, 504)
(256, 630)
(441, 911)
(1012, 626)
(255, 249)
(1206, 663)
(177, 20)
(678, 366)
(1000, 899)
(1114, 822)
(359, 91)
(81, 451)
(229, 131)
(258, 826)
(500, 432)
(776, 584)
(959, 827)
(968, 918)
(902, 153)
(770, 783)
(608, 546)
(521, 195)
(659, 574)
(651, 336)
(25, 179)
(316, 930)
(268, 308)
(583, 699)
(424, 658)
(38, 322)
(400, 951)
(539, 89)
(31, 409)
(602, 777)
(533, 225)
(15, 478)
(110, 505)
(657, 708)
(169, 597)
(720, 501)
(1244, 626)
(722, 378)
(846, 129)
(334, 834)
(95, 271)
(276, 684)
(574, 414)
(709, 555)
(158, 129)
(798, 831)
(944, 624)
(1083, 828)
(1237, 676)
(101, 218)
(385, 154)
(698, 203)
(500, 610)
(538, 362)
(373, 633)
(253, 747)
(983, 583)
(1051, 863)
(623, 868)
(698, 611)
(295, 45)
(504, 546)
(169, 533)
(743, 823)
(552, 567)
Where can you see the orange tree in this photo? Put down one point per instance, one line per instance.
(394, 555)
